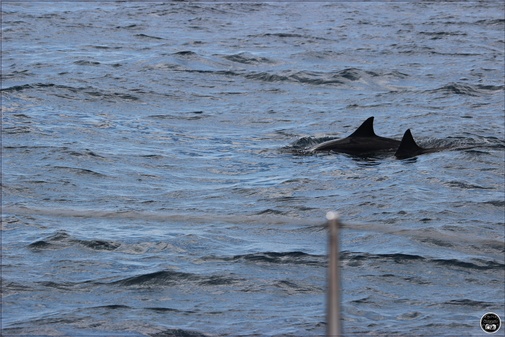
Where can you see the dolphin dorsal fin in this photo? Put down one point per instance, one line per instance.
(408, 146)
(365, 130)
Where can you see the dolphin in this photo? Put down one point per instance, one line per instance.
(363, 141)
(408, 147)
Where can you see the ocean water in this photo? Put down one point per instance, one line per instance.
(155, 178)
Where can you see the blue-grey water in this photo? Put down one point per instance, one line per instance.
(155, 181)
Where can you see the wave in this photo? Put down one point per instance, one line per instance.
(471, 303)
(86, 63)
(339, 78)
(162, 278)
(247, 58)
(159, 216)
(74, 93)
(356, 259)
(468, 89)
(181, 115)
(171, 278)
(78, 170)
(289, 36)
(294, 257)
(62, 240)
(178, 333)
(149, 36)
(439, 35)
(353, 259)
(13, 130)
(195, 63)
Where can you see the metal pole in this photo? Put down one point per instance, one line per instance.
(333, 323)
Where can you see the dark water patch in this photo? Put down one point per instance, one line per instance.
(29, 86)
(225, 73)
(305, 77)
(217, 281)
(104, 47)
(62, 240)
(496, 203)
(74, 93)
(86, 63)
(363, 300)
(163, 310)
(441, 35)
(489, 88)
(491, 22)
(468, 89)
(360, 259)
(342, 78)
(152, 156)
(99, 244)
(66, 286)
(185, 53)
(80, 171)
(16, 74)
(412, 280)
(267, 77)
(246, 58)
(164, 278)
(466, 186)
(55, 241)
(145, 36)
(438, 242)
(113, 306)
(14, 130)
(167, 278)
(271, 211)
(111, 96)
(10, 288)
(477, 264)
(41, 244)
(476, 153)
(305, 38)
(458, 89)
(21, 116)
(82, 153)
(295, 257)
(471, 303)
(294, 288)
(284, 35)
(178, 333)
(182, 115)
(354, 74)
(53, 149)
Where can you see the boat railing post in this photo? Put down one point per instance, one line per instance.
(333, 319)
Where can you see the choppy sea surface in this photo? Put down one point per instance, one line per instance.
(155, 180)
